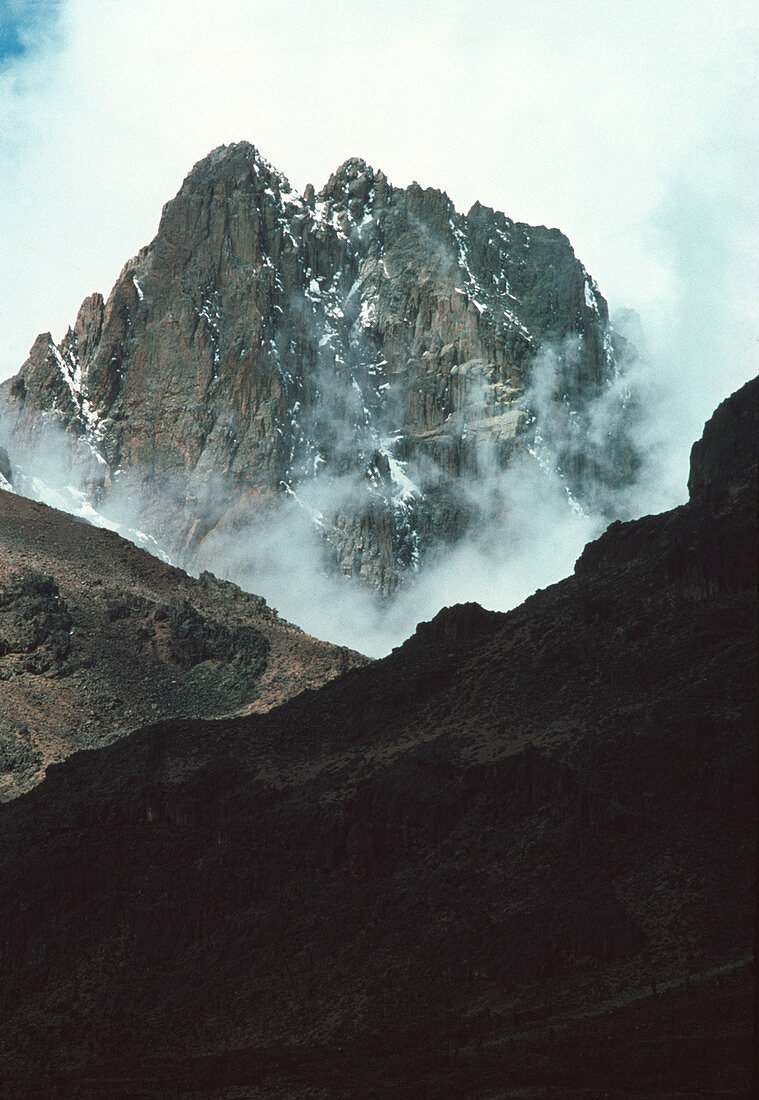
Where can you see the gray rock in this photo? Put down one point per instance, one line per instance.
(264, 340)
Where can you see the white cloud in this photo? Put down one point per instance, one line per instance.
(630, 126)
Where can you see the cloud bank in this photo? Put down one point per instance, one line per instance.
(631, 127)
(530, 526)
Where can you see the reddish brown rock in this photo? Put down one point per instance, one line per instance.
(98, 637)
(264, 340)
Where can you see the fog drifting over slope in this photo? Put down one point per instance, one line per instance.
(530, 534)
(632, 127)
(532, 531)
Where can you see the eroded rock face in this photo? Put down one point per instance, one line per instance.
(369, 338)
(725, 456)
(6, 474)
(35, 624)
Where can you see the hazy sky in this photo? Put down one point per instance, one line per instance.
(631, 125)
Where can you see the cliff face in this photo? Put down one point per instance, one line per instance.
(516, 855)
(368, 340)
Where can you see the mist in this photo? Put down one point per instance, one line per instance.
(631, 127)
(532, 519)
(620, 455)
(538, 537)
(532, 522)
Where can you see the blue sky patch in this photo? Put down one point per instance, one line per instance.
(24, 26)
(11, 45)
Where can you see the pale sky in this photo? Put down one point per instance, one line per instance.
(632, 125)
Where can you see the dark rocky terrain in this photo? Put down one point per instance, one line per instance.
(515, 858)
(367, 345)
(98, 637)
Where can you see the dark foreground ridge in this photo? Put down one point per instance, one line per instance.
(513, 859)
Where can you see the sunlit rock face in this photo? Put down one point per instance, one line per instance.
(98, 637)
(363, 356)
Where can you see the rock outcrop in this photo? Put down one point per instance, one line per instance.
(515, 857)
(98, 637)
(368, 340)
(6, 475)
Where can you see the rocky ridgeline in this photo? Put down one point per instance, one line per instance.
(368, 340)
(98, 637)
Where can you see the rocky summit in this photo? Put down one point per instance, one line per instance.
(363, 356)
(515, 858)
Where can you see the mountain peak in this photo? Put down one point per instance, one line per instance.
(367, 349)
(351, 186)
(720, 460)
(239, 161)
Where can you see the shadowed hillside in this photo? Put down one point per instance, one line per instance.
(514, 858)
